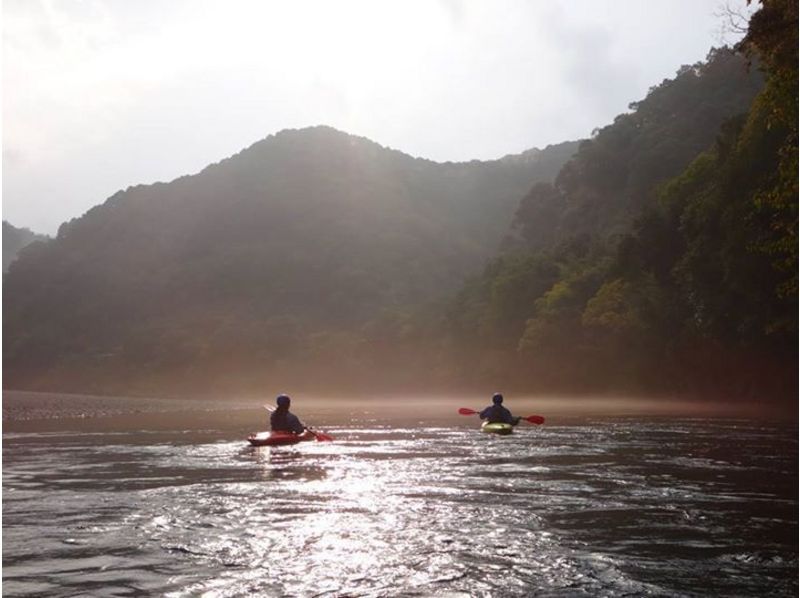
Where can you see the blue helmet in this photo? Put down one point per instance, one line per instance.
(283, 400)
(497, 398)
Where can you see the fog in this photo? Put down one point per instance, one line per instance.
(51, 412)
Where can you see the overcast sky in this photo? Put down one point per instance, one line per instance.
(99, 95)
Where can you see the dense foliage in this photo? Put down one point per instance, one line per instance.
(272, 264)
(661, 257)
(610, 180)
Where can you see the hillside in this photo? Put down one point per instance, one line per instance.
(15, 239)
(613, 175)
(658, 256)
(664, 256)
(268, 261)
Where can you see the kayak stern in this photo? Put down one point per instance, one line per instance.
(497, 428)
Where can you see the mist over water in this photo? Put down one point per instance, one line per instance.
(411, 504)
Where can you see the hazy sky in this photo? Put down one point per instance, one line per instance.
(102, 94)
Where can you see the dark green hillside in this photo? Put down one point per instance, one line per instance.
(664, 257)
(660, 255)
(610, 180)
(266, 263)
(15, 239)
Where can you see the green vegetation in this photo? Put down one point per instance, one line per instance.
(659, 255)
(677, 266)
(276, 263)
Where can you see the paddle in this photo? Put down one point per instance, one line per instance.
(320, 436)
(533, 419)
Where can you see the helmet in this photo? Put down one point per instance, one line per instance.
(497, 398)
(283, 400)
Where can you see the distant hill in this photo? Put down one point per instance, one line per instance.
(266, 263)
(659, 255)
(14, 239)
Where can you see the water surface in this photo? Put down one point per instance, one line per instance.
(607, 506)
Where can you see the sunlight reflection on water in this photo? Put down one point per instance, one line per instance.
(614, 508)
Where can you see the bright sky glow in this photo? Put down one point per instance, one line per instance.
(102, 94)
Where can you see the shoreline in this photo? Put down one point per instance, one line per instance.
(32, 410)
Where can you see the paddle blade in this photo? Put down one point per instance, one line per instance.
(465, 411)
(322, 436)
(534, 419)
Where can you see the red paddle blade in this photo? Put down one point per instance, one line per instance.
(534, 419)
(322, 436)
(465, 411)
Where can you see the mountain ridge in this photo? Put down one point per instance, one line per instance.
(15, 239)
(306, 232)
(314, 259)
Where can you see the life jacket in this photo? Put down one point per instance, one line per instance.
(278, 420)
(497, 414)
(283, 421)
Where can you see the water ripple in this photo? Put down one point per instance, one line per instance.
(612, 508)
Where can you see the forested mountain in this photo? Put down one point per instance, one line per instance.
(268, 263)
(14, 239)
(664, 256)
(659, 255)
(612, 177)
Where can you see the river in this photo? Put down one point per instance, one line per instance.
(581, 506)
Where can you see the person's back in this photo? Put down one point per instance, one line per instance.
(282, 420)
(496, 413)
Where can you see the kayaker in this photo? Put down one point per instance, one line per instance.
(497, 414)
(282, 420)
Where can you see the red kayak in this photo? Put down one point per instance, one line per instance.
(279, 438)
